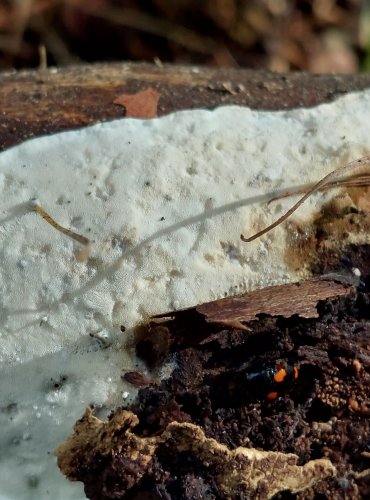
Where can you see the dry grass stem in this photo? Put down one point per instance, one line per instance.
(336, 178)
(68, 232)
(359, 180)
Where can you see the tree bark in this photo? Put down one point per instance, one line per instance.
(41, 102)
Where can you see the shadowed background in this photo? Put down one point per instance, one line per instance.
(280, 35)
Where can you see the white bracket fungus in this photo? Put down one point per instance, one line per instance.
(163, 203)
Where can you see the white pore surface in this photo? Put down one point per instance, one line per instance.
(163, 202)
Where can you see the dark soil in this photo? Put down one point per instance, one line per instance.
(223, 381)
(323, 413)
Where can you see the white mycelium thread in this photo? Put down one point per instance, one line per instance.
(163, 203)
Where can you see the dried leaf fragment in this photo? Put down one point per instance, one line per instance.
(143, 104)
(248, 470)
(126, 458)
(136, 379)
(94, 439)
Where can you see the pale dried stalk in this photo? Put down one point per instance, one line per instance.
(333, 179)
(68, 232)
(359, 180)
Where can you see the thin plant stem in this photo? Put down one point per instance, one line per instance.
(333, 179)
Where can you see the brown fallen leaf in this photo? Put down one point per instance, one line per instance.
(143, 104)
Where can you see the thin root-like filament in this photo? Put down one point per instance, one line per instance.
(333, 179)
(359, 180)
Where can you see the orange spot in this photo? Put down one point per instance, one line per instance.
(295, 373)
(280, 375)
(272, 395)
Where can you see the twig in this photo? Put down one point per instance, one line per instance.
(326, 182)
(360, 180)
(68, 232)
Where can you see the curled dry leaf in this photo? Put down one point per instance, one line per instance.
(143, 104)
(117, 459)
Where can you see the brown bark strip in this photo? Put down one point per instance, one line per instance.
(283, 300)
(41, 102)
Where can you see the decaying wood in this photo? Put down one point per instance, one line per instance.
(217, 423)
(41, 102)
(299, 299)
(250, 472)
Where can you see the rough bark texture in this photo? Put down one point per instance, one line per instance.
(234, 312)
(45, 101)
